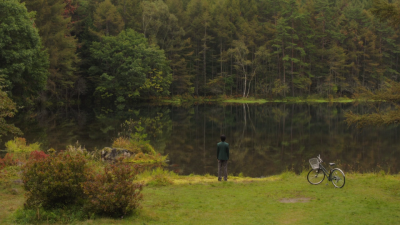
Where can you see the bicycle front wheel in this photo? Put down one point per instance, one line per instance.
(337, 178)
(315, 176)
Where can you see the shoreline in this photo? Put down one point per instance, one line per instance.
(194, 100)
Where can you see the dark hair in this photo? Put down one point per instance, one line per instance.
(223, 137)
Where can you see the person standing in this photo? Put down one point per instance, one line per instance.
(223, 156)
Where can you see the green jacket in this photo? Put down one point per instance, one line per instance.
(223, 151)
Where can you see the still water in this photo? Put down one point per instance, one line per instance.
(264, 139)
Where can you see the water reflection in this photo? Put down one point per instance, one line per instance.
(265, 139)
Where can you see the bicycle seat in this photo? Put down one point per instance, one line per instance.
(331, 164)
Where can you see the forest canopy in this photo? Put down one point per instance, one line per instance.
(250, 48)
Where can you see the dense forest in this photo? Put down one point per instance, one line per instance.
(115, 50)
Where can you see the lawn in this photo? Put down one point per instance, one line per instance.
(281, 199)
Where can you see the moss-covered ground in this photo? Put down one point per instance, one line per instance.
(282, 199)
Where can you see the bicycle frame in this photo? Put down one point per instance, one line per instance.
(327, 174)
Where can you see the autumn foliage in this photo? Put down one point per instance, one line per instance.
(8, 160)
(37, 155)
(64, 179)
(113, 192)
(53, 181)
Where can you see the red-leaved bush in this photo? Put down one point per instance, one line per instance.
(54, 181)
(113, 192)
(37, 155)
(8, 160)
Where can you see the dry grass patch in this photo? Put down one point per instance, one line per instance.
(294, 200)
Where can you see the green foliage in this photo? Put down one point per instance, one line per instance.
(114, 192)
(55, 25)
(8, 160)
(161, 177)
(380, 116)
(55, 181)
(18, 145)
(23, 64)
(386, 11)
(134, 145)
(7, 109)
(127, 67)
(279, 88)
(107, 19)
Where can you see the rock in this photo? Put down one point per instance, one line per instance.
(108, 153)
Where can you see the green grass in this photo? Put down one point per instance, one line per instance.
(365, 199)
(289, 100)
(250, 100)
(246, 101)
(11, 194)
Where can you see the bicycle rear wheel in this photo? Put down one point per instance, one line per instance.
(338, 178)
(315, 176)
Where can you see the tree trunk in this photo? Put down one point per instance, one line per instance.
(292, 58)
(204, 58)
(283, 64)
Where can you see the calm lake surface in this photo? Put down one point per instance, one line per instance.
(264, 139)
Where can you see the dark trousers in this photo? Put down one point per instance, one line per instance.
(223, 168)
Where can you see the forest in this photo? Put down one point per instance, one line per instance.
(114, 51)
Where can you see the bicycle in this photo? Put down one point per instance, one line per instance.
(318, 172)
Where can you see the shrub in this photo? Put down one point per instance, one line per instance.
(8, 166)
(161, 177)
(147, 161)
(18, 145)
(53, 181)
(134, 145)
(37, 155)
(113, 192)
(121, 142)
(8, 160)
(160, 180)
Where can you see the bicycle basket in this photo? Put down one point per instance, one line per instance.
(314, 162)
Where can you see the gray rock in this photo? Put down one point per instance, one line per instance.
(108, 153)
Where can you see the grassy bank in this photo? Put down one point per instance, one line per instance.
(312, 99)
(290, 100)
(281, 199)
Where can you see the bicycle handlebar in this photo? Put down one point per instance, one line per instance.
(319, 158)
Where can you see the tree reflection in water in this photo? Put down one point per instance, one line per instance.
(264, 139)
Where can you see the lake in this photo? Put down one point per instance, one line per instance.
(264, 139)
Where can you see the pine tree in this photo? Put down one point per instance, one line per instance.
(107, 19)
(55, 31)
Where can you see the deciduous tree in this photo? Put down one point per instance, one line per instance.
(23, 63)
